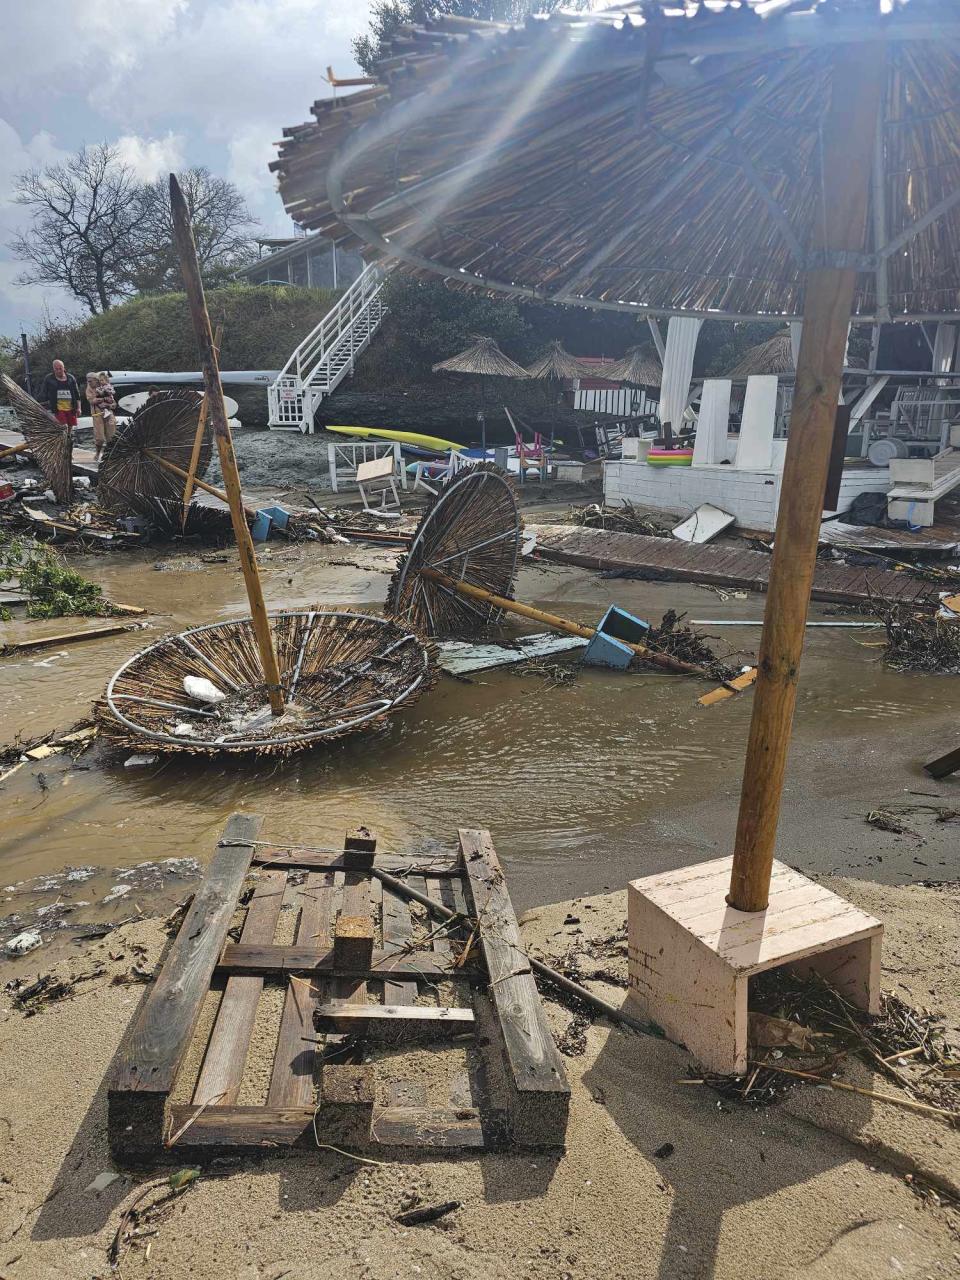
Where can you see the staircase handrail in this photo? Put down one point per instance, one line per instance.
(367, 283)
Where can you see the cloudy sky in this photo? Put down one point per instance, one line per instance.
(170, 82)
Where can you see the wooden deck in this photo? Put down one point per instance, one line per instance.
(366, 976)
(726, 566)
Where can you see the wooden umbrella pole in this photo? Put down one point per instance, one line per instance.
(560, 624)
(847, 152)
(212, 489)
(198, 439)
(187, 251)
(14, 448)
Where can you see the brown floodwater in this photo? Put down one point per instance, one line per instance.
(582, 785)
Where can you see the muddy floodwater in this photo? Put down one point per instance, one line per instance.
(583, 785)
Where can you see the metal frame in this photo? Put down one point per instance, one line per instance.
(303, 735)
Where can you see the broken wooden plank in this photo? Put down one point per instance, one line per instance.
(217, 1128)
(397, 931)
(292, 859)
(394, 1019)
(276, 960)
(943, 766)
(294, 1062)
(537, 1082)
(70, 637)
(665, 559)
(226, 1053)
(158, 1039)
(729, 688)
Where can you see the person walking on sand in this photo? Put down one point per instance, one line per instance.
(61, 395)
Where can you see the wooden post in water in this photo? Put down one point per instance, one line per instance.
(847, 151)
(187, 251)
(198, 439)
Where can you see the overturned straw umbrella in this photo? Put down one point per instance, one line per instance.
(141, 466)
(483, 358)
(47, 440)
(747, 143)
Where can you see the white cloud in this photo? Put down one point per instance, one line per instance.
(22, 305)
(151, 158)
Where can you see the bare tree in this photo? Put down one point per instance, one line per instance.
(222, 228)
(86, 212)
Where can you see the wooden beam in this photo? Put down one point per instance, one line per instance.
(226, 1054)
(198, 439)
(222, 1129)
(536, 1081)
(848, 142)
(273, 961)
(70, 637)
(155, 1045)
(943, 766)
(190, 267)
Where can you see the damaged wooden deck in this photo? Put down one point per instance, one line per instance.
(671, 560)
(364, 973)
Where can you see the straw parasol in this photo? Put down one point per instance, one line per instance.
(469, 531)
(340, 672)
(135, 467)
(773, 356)
(640, 367)
(483, 358)
(558, 364)
(49, 441)
(699, 159)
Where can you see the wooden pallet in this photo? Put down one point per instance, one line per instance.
(671, 560)
(365, 974)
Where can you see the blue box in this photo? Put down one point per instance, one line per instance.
(607, 648)
(267, 517)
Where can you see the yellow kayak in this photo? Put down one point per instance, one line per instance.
(404, 437)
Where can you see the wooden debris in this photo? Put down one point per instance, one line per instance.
(70, 637)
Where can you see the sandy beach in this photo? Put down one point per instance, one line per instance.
(821, 1184)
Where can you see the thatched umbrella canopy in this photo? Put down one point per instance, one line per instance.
(558, 364)
(50, 442)
(460, 161)
(639, 367)
(695, 159)
(773, 356)
(483, 356)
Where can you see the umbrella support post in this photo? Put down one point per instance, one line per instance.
(15, 448)
(187, 252)
(694, 945)
(198, 441)
(198, 483)
(558, 624)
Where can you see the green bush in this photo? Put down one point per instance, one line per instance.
(55, 591)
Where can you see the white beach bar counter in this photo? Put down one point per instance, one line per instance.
(725, 470)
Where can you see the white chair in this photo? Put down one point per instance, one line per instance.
(378, 477)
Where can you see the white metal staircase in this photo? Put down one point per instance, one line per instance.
(327, 354)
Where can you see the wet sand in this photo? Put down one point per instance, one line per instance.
(584, 785)
(820, 1186)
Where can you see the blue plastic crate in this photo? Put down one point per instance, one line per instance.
(607, 648)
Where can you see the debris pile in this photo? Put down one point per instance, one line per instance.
(802, 1029)
(919, 641)
(672, 637)
(625, 518)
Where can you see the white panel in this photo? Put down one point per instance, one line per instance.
(943, 347)
(712, 425)
(755, 448)
(681, 347)
(796, 331)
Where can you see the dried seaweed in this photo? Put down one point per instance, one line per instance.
(678, 641)
(909, 1046)
(919, 641)
(625, 518)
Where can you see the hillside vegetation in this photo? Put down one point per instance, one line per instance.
(261, 326)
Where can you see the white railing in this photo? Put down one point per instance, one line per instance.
(327, 354)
